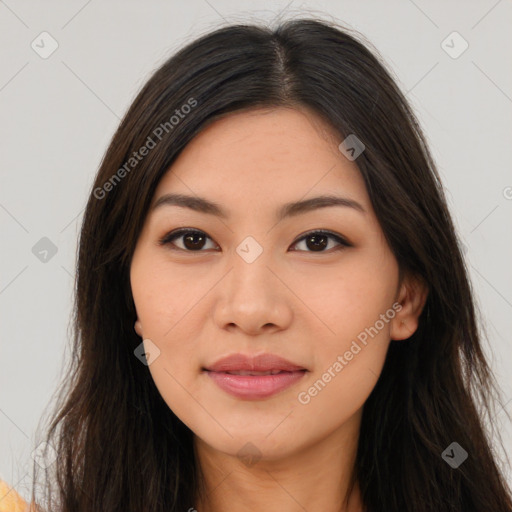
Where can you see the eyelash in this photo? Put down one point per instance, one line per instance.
(173, 235)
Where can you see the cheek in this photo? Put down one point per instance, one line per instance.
(349, 298)
(348, 364)
(356, 310)
(166, 303)
(163, 296)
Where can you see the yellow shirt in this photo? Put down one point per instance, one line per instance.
(10, 500)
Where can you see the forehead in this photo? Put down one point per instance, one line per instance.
(264, 157)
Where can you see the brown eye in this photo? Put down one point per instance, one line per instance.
(191, 240)
(317, 241)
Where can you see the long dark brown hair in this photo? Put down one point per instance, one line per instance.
(119, 446)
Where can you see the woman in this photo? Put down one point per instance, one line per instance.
(272, 309)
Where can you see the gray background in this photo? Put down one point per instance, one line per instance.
(59, 113)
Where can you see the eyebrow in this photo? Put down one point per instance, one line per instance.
(292, 209)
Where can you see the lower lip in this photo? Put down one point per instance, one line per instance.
(255, 386)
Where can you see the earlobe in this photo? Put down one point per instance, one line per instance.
(138, 328)
(403, 330)
(412, 297)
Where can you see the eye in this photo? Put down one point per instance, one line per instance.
(319, 240)
(193, 240)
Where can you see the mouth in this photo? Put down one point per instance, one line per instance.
(251, 385)
(252, 377)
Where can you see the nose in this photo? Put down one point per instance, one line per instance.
(253, 298)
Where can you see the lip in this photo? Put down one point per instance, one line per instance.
(254, 387)
(258, 363)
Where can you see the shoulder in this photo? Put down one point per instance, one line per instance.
(10, 500)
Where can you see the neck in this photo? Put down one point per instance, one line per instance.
(316, 477)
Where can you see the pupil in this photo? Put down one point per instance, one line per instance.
(316, 246)
(192, 237)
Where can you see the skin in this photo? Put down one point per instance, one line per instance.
(304, 305)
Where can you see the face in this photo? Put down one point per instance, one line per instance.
(252, 282)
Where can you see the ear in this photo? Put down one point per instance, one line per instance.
(412, 295)
(138, 328)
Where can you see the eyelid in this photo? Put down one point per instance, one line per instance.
(168, 238)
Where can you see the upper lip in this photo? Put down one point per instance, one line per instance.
(258, 363)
